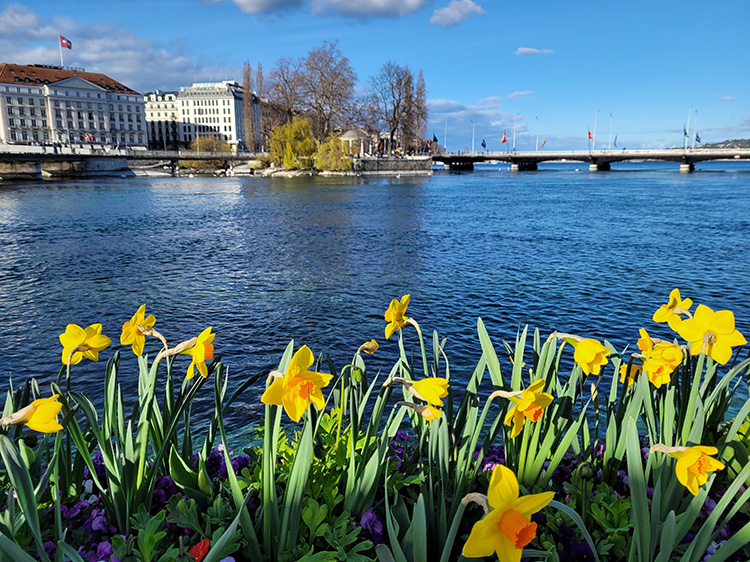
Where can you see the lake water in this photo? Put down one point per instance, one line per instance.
(263, 261)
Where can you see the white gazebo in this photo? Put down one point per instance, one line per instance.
(358, 141)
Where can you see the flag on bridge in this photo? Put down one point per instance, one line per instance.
(505, 137)
(615, 141)
(684, 130)
(66, 43)
(544, 142)
(484, 144)
(434, 138)
(591, 137)
(697, 138)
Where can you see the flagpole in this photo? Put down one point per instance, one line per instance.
(514, 132)
(609, 146)
(472, 136)
(688, 126)
(59, 44)
(537, 133)
(695, 128)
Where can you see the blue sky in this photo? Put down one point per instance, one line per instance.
(637, 68)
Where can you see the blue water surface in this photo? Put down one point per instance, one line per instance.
(318, 260)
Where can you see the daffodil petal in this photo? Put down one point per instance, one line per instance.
(274, 393)
(503, 489)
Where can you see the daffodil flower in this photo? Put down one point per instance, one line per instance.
(507, 527)
(427, 411)
(395, 315)
(134, 332)
(661, 362)
(431, 390)
(693, 464)
(298, 387)
(369, 347)
(529, 404)
(79, 343)
(201, 351)
(672, 312)
(631, 373)
(712, 333)
(590, 354)
(40, 415)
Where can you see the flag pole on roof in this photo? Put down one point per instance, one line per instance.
(63, 42)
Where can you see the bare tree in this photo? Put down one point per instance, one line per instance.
(420, 108)
(388, 97)
(327, 86)
(260, 93)
(286, 89)
(248, 107)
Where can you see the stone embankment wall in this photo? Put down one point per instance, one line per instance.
(417, 166)
(20, 170)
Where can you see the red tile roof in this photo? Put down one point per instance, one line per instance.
(9, 72)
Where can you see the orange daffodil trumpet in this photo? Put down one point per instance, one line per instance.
(298, 387)
(134, 332)
(693, 464)
(201, 351)
(40, 415)
(395, 316)
(506, 528)
(528, 404)
(712, 333)
(79, 343)
(672, 312)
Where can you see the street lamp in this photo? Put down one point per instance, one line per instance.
(472, 135)
(537, 132)
(514, 131)
(609, 146)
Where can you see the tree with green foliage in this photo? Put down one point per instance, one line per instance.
(332, 156)
(207, 143)
(292, 144)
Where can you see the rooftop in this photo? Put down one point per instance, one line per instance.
(47, 74)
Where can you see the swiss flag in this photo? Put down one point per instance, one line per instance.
(65, 43)
(505, 137)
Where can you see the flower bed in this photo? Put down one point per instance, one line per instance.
(531, 461)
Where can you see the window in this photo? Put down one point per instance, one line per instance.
(111, 107)
(35, 135)
(20, 100)
(13, 133)
(9, 99)
(130, 108)
(98, 106)
(58, 113)
(11, 122)
(119, 107)
(59, 124)
(32, 112)
(78, 104)
(44, 123)
(44, 112)
(80, 124)
(21, 111)
(57, 103)
(70, 124)
(23, 122)
(88, 105)
(67, 104)
(31, 101)
(10, 111)
(33, 123)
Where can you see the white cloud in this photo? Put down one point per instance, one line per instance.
(267, 6)
(516, 95)
(456, 12)
(370, 8)
(526, 51)
(137, 62)
(727, 98)
(485, 117)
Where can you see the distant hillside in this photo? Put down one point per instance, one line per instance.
(736, 143)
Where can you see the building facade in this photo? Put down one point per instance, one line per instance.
(52, 105)
(164, 121)
(212, 109)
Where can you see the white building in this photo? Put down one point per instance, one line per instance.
(50, 104)
(212, 109)
(163, 121)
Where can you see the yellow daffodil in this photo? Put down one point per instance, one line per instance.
(672, 312)
(530, 404)
(693, 464)
(590, 355)
(661, 362)
(369, 347)
(431, 390)
(298, 387)
(428, 412)
(712, 333)
(79, 343)
(631, 373)
(645, 343)
(40, 415)
(395, 315)
(133, 332)
(507, 528)
(202, 351)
